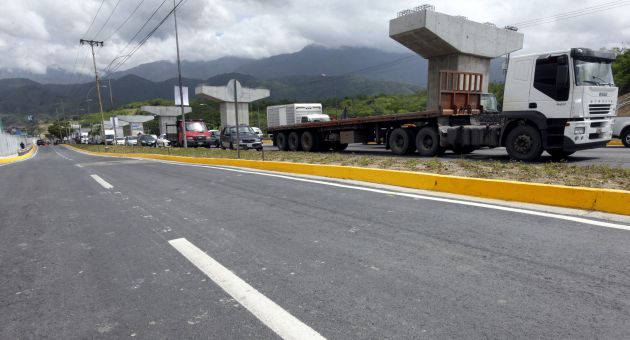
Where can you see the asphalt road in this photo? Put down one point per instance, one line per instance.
(80, 259)
(614, 156)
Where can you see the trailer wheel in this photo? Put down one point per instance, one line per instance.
(428, 142)
(339, 146)
(310, 141)
(281, 141)
(524, 143)
(294, 141)
(401, 141)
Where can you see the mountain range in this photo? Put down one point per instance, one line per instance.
(311, 74)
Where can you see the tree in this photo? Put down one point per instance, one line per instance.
(59, 129)
(621, 70)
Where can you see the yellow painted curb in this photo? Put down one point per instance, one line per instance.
(18, 158)
(605, 200)
(615, 142)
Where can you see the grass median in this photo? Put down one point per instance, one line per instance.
(594, 176)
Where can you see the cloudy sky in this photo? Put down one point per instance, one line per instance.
(35, 34)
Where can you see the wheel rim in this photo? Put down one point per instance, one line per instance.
(399, 141)
(523, 143)
(427, 142)
(307, 141)
(628, 138)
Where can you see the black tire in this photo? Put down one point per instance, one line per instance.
(339, 146)
(428, 142)
(558, 154)
(294, 141)
(625, 138)
(231, 146)
(309, 141)
(524, 143)
(281, 141)
(401, 141)
(463, 150)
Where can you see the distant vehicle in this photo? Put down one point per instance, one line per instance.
(109, 137)
(215, 138)
(120, 140)
(280, 115)
(147, 140)
(621, 130)
(258, 132)
(40, 142)
(248, 138)
(196, 133)
(131, 141)
(162, 141)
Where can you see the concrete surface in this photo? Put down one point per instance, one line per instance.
(225, 96)
(81, 261)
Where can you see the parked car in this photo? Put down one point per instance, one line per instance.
(147, 140)
(248, 138)
(120, 140)
(621, 130)
(258, 132)
(131, 141)
(162, 141)
(215, 138)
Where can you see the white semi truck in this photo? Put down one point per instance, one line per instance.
(559, 102)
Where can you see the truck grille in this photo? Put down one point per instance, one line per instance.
(248, 140)
(199, 138)
(599, 109)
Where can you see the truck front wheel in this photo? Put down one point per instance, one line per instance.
(428, 142)
(294, 141)
(625, 138)
(524, 143)
(281, 141)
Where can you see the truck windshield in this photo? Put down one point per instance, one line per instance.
(196, 127)
(596, 73)
(489, 103)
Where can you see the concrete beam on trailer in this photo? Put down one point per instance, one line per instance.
(452, 43)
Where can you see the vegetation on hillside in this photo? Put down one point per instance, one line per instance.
(621, 70)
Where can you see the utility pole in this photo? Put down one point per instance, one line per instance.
(179, 75)
(111, 98)
(92, 43)
(238, 127)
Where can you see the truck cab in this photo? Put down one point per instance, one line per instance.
(196, 133)
(568, 97)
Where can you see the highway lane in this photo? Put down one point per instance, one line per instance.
(348, 263)
(614, 156)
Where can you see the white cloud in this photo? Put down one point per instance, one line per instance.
(35, 34)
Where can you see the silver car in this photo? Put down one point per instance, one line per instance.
(621, 130)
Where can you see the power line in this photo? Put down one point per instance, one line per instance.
(125, 21)
(93, 19)
(572, 14)
(145, 39)
(108, 18)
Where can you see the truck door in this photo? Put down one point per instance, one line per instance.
(551, 90)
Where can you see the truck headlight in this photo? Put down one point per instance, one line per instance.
(579, 130)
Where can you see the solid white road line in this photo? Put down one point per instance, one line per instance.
(414, 196)
(101, 181)
(275, 317)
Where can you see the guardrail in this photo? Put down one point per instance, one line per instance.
(10, 144)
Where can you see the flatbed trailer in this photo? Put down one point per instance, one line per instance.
(430, 132)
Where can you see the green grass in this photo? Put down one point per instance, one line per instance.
(595, 176)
